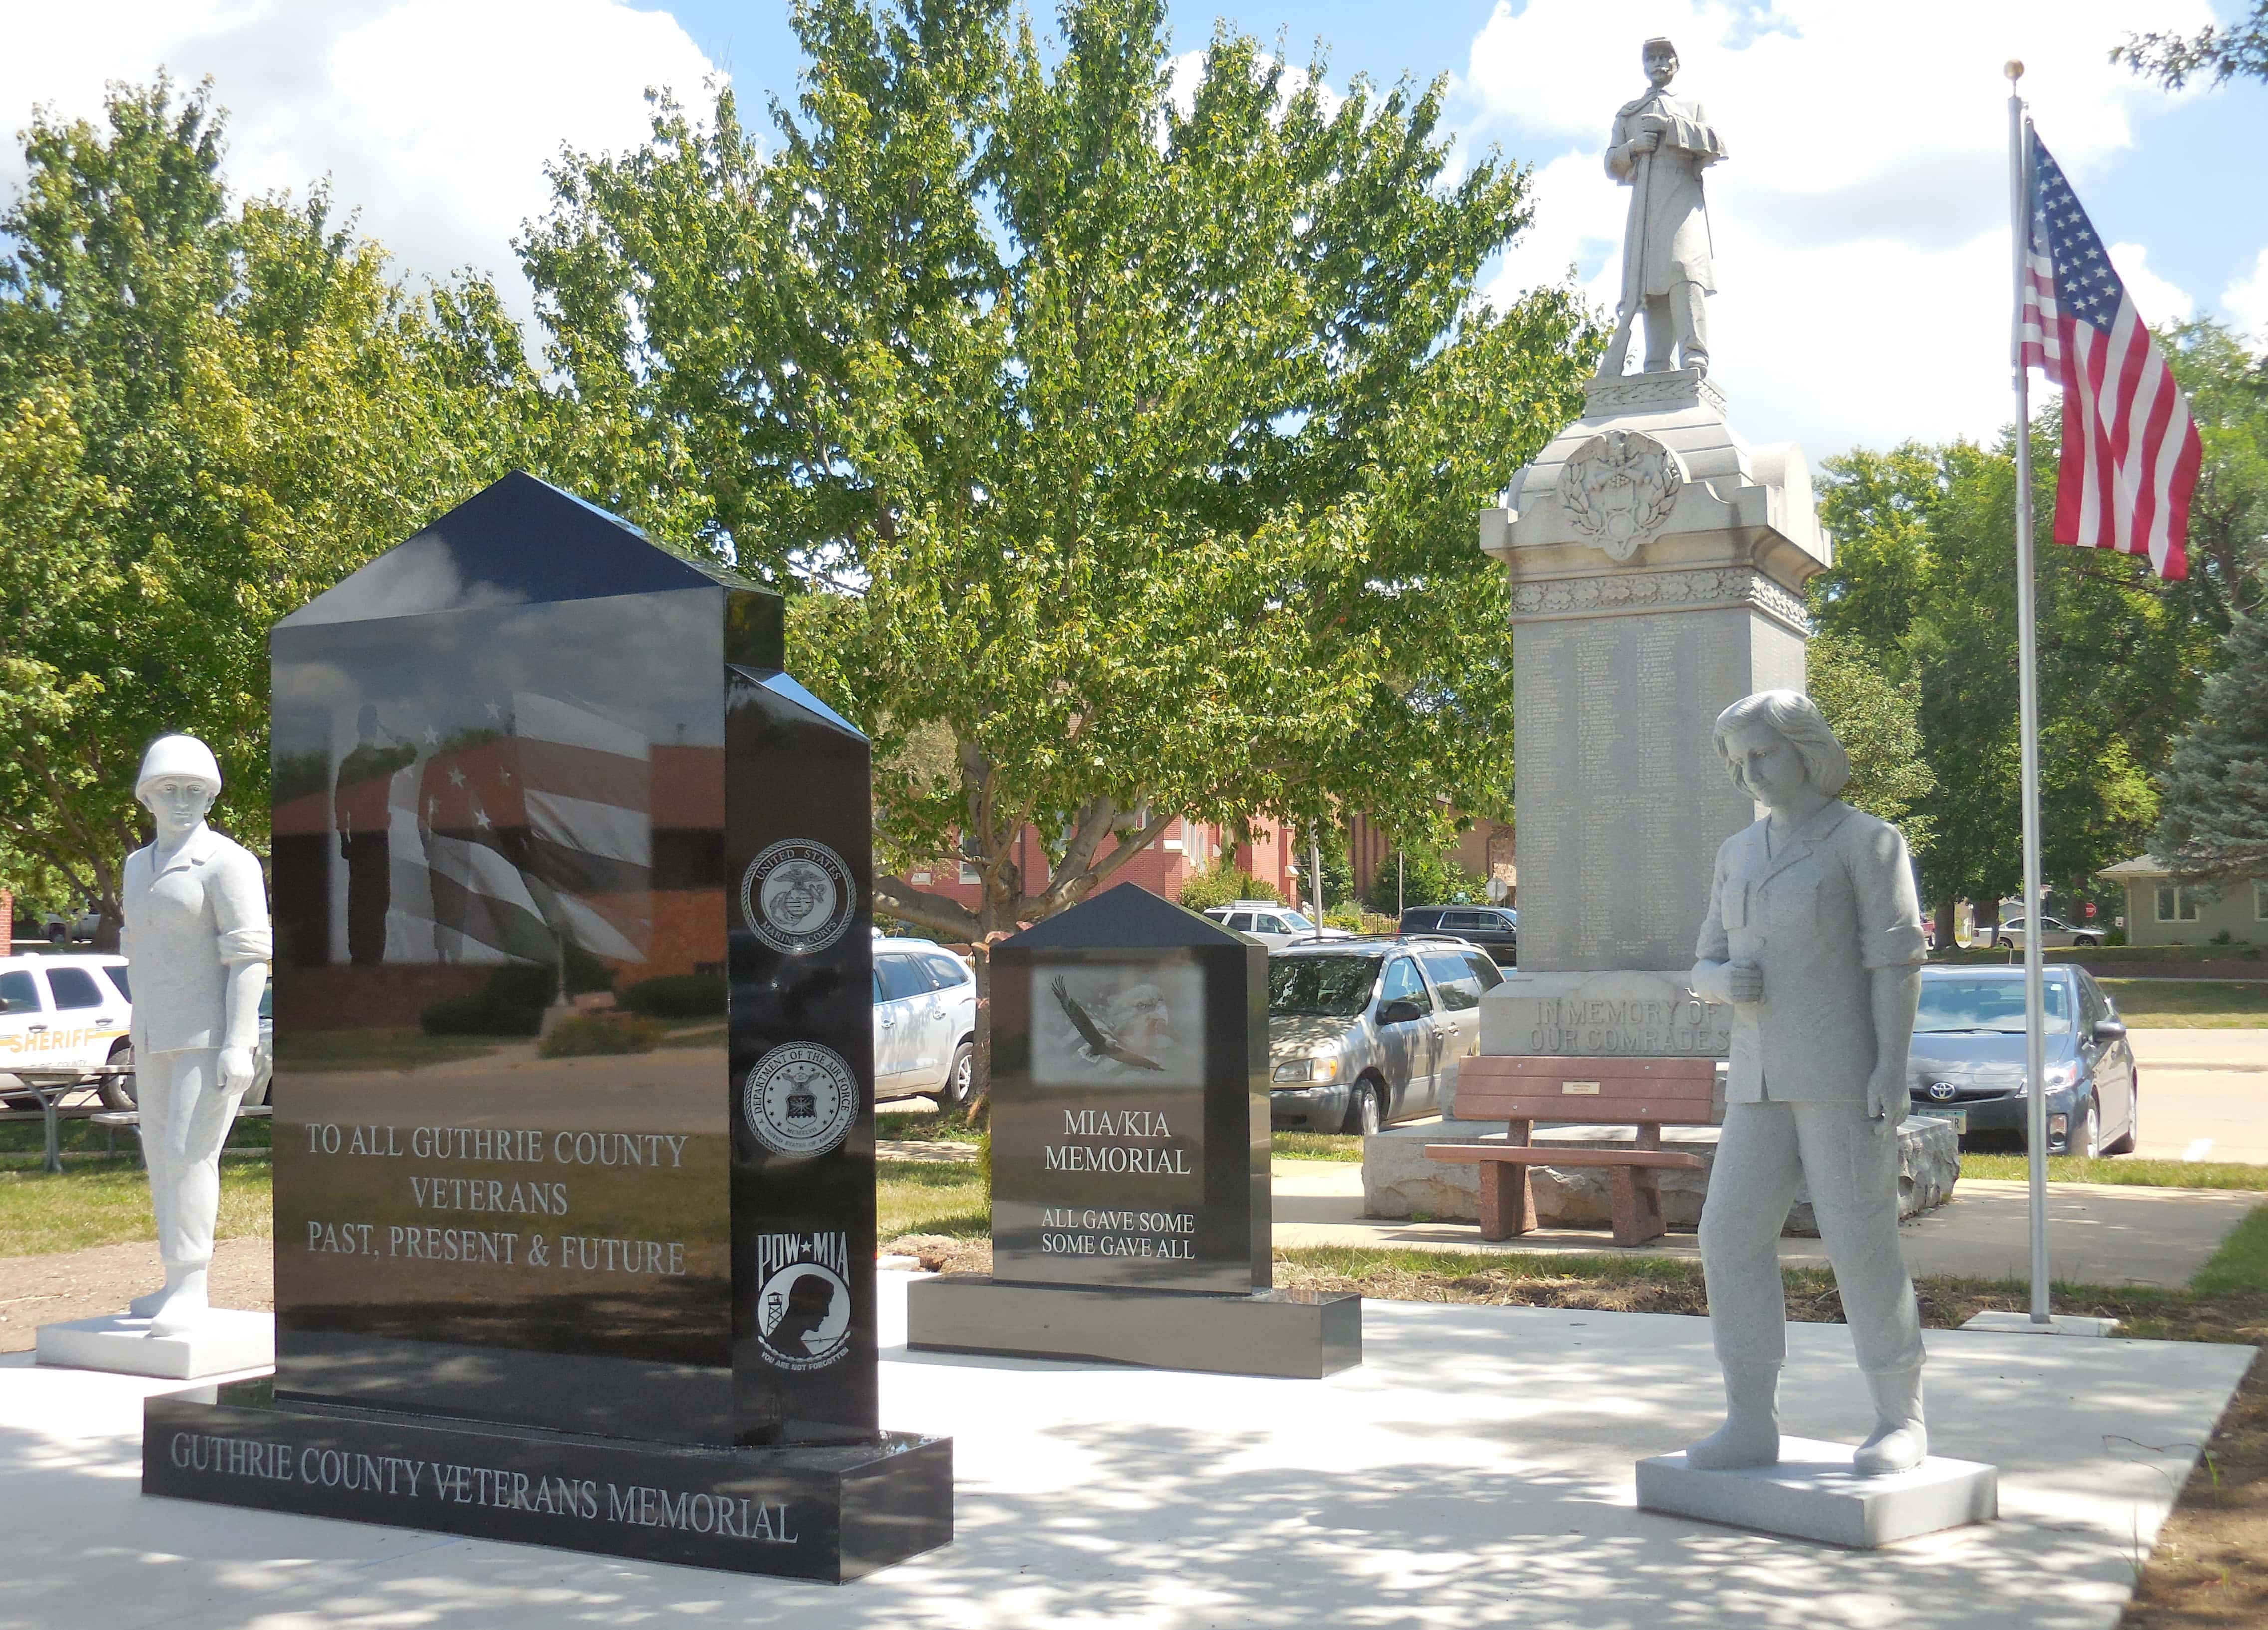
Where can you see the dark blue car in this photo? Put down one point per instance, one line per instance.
(1967, 1059)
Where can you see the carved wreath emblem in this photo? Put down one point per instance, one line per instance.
(1618, 489)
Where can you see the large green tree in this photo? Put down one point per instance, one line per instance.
(209, 411)
(1123, 454)
(2224, 52)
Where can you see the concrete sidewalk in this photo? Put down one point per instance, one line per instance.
(1475, 1471)
(2100, 1234)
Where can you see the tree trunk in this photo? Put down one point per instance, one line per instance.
(1949, 910)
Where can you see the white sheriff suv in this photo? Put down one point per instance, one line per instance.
(60, 1013)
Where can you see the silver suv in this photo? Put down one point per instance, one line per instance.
(1365, 1033)
(1273, 925)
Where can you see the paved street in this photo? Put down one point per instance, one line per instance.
(2205, 1093)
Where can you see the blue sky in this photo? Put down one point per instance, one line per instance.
(1859, 219)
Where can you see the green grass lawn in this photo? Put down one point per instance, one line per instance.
(933, 1197)
(2191, 1003)
(375, 1049)
(1317, 1146)
(99, 1201)
(933, 1127)
(2124, 1169)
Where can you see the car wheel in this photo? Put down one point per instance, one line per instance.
(2124, 1144)
(59, 936)
(960, 1080)
(2089, 1140)
(1366, 1114)
(118, 1091)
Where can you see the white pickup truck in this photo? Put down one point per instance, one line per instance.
(64, 1013)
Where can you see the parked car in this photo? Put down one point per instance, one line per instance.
(1274, 925)
(1365, 1033)
(1968, 1058)
(925, 1022)
(64, 1013)
(1494, 929)
(76, 929)
(2053, 934)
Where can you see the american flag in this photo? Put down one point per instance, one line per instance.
(534, 824)
(2129, 447)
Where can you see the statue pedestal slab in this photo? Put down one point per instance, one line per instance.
(226, 1340)
(1813, 1494)
(2005, 1322)
(1296, 1335)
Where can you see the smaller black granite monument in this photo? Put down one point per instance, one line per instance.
(1130, 1158)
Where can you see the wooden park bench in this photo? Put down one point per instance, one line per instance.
(1648, 1093)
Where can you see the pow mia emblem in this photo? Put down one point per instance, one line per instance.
(803, 1313)
(797, 895)
(801, 1099)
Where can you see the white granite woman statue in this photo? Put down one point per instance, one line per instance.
(1813, 935)
(196, 949)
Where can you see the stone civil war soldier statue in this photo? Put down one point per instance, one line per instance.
(1813, 936)
(197, 946)
(1659, 146)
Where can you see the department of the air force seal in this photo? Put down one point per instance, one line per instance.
(797, 895)
(799, 1099)
(803, 1307)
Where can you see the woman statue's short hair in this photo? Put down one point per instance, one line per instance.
(1800, 723)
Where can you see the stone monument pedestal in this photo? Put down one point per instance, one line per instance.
(226, 1340)
(1294, 1334)
(1813, 1494)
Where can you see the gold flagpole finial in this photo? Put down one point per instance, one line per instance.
(2014, 70)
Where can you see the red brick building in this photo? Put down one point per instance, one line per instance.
(1185, 849)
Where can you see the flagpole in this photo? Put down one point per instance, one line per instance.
(2035, 1103)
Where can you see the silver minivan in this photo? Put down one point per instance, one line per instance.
(1365, 1033)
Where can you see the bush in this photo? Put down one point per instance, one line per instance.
(678, 995)
(1222, 884)
(511, 1004)
(590, 1034)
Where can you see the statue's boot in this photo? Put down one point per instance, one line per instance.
(1750, 1434)
(147, 1304)
(182, 1303)
(1901, 1441)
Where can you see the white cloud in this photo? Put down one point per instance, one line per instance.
(1860, 218)
(2161, 304)
(2246, 301)
(434, 118)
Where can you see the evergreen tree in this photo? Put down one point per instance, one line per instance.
(2213, 823)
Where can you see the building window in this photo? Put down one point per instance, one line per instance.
(2177, 903)
(968, 873)
(2260, 902)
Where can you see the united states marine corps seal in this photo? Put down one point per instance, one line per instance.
(801, 1099)
(797, 896)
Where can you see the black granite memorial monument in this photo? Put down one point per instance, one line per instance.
(1130, 1194)
(618, 1302)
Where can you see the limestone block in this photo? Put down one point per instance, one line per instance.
(223, 1339)
(1813, 1494)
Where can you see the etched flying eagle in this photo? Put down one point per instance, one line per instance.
(1100, 1043)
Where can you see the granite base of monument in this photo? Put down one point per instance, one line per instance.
(1293, 1334)
(829, 1513)
(1813, 1494)
(224, 1341)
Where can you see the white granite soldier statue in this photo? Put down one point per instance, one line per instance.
(1813, 935)
(1659, 146)
(196, 948)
